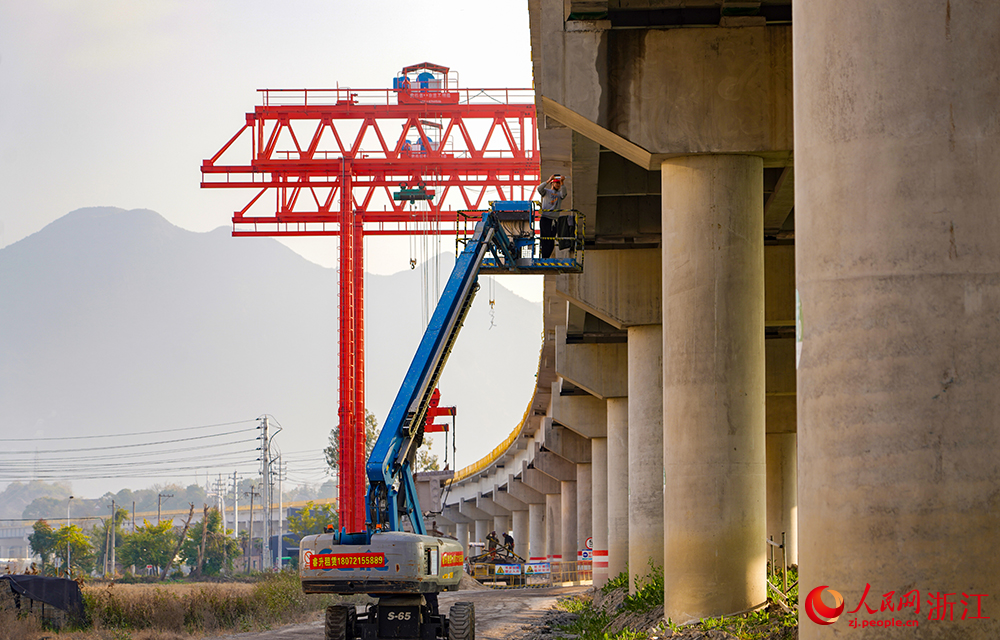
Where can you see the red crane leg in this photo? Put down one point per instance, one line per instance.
(359, 369)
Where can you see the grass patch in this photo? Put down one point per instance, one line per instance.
(616, 607)
(139, 611)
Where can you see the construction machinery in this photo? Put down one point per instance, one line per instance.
(393, 559)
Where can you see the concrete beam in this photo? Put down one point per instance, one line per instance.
(566, 443)
(779, 286)
(626, 148)
(741, 80)
(522, 492)
(620, 287)
(430, 489)
(780, 203)
(600, 369)
(583, 414)
(540, 482)
(488, 505)
(555, 466)
(780, 385)
(452, 513)
(471, 511)
(503, 498)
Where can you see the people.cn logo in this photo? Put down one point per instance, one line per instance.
(818, 611)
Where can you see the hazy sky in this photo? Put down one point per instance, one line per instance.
(118, 102)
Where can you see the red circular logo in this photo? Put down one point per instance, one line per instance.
(818, 611)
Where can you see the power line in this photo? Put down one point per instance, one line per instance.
(118, 456)
(126, 446)
(123, 435)
(221, 458)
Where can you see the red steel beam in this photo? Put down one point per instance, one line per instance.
(331, 157)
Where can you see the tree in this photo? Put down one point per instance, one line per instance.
(426, 461)
(313, 518)
(17, 496)
(72, 538)
(149, 544)
(332, 451)
(220, 548)
(100, 540)
(43, 541)
(43, 507)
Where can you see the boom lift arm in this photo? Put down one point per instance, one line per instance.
(407, 570)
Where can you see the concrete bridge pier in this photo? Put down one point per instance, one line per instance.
(897, 149)
(713, 385)
(462, 533)
(599, 508)
(584, 505)
(552, 519)
(521, 529)
(568, 522)
(782, 512)
(536, 531)
(532, 540)
(645, 450)
(483, 528)
(618, 488)
(501, 524)
(553, 531)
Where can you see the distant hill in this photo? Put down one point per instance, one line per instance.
(114, 320)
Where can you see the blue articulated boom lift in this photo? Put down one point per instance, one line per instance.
(406, 569)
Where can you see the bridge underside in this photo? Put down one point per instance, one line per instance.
(677, 419)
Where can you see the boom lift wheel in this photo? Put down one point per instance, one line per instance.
(462, 621)
(337, 622)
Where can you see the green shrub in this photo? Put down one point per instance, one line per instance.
(648, 591)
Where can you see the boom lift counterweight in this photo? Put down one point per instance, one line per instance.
(404, 569)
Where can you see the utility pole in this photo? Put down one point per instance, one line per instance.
(236, 507)
(220, 494)
(252, 494)
(69, 572)
(159, 499)
(107, 545)
(114, 520)
(265, 562)
(281, 517)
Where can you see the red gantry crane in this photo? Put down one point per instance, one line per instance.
(356, 162)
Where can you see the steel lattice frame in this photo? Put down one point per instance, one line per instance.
(331, 156)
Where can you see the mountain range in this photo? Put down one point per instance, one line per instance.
(116, 321)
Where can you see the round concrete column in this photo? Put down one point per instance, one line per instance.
(553, 530)
(782, 512)
(483, 528)
(521, 527)
(645, 450)
(501, 524)
(584, 504)
(536, 530)
(713, 385)
(617, 486)
(567, 520)
(897, 169)
(599, 508)
(462, 533)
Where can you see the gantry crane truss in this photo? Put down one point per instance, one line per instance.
(333, 157)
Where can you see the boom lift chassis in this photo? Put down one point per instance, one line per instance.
(401, 566)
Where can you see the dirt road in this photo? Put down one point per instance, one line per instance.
(500, 614)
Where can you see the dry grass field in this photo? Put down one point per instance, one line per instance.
(178, 611)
